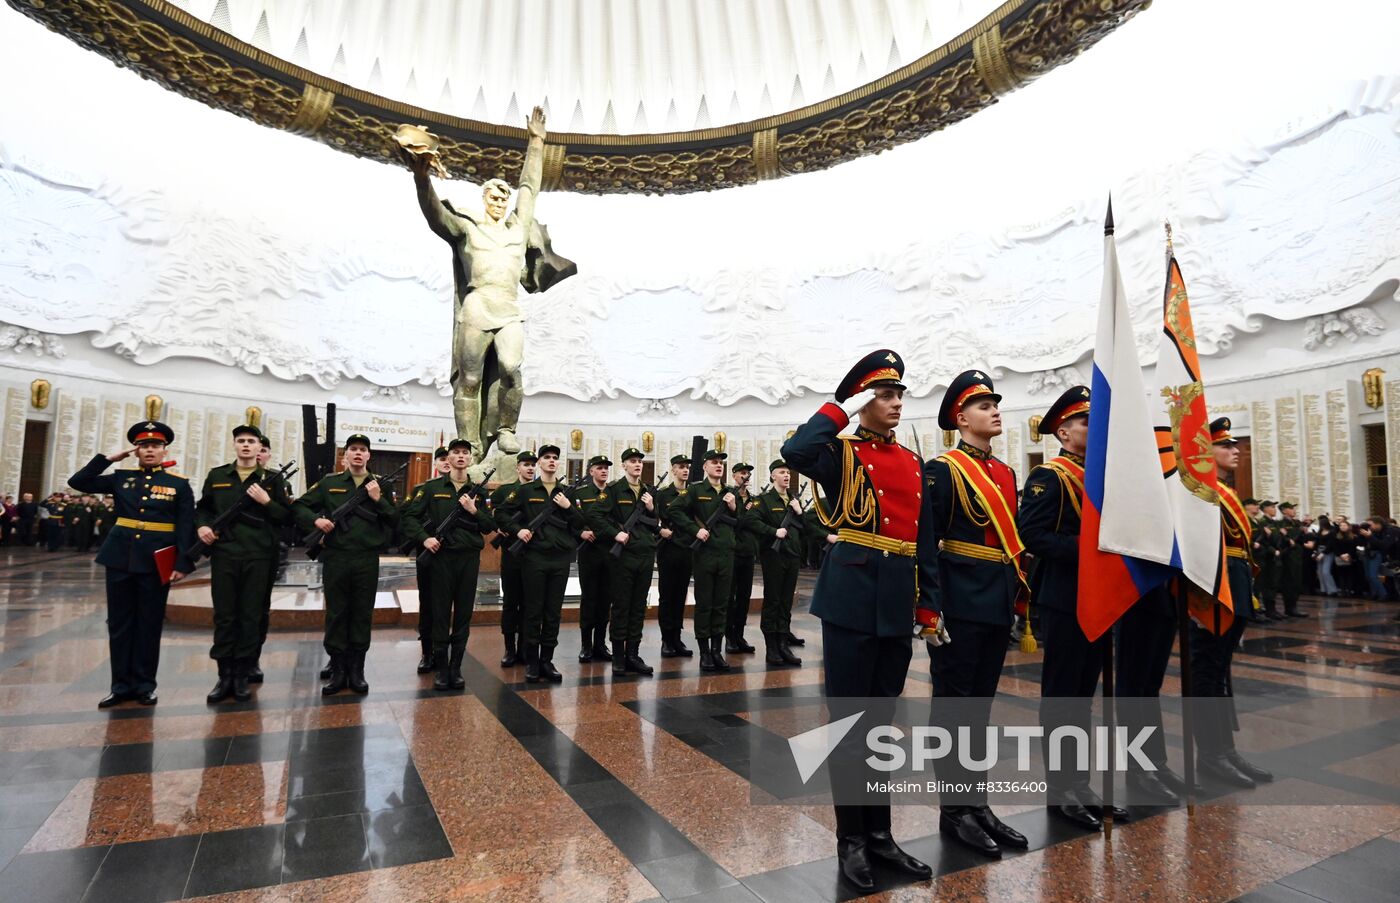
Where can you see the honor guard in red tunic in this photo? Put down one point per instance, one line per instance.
(977, 558)
(868, 587)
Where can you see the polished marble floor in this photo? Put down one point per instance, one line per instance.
(593, 790)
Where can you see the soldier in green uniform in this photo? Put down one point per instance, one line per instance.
(241, 558)
(673, 565)
(512, 587)
(423, 572)
(80, 516)
(745, 554)
(1291, 573)
(277, 557)
(713, 560)
(155, 524)
(544, 562)
(629, 577)
(594, 563)
(1266, 557)
(456, 558)
(779, 567)
(349, 561)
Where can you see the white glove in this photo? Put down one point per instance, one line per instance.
(857, 401)
(934, 636)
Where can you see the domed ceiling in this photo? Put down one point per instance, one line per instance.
(641, 95)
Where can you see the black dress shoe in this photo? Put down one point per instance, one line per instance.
(1246, 767)
(585, 655)
(794, 640)
(880, 846)
(148, 698)
(1222, 769)
(1078, 815)
(1296, 614)
(112, 699)
(682, 649)
(426, 664)
(255, 673)
(1173, 781)
(998, 830)
(968, 831)
(1146, 784)
(855, 863)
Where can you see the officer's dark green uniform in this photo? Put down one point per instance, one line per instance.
(240, 567)
(422, 574)
(779, 568)
(594, 564)
(1291, 573)
(544, 565)
(712, 561)
(1266, 558)
(349, 568)
(745, 555)
(512, 584)
(629, 577)
(673, 565)
(452, 569)
(155, 510)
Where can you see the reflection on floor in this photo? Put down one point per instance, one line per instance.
(596, 789)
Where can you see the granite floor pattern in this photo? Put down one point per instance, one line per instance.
(627, 789)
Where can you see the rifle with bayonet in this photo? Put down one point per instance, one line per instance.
(352, 507)
(550, 510)
(449, 523)
(792, 520)
(240, 509)
(638, 516)
(720, 515)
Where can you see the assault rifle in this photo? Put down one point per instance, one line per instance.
(449, 523)
(550, 509)
(791, 521)
(638, 516)
(241, 508)
(352, 507)
(720, 515)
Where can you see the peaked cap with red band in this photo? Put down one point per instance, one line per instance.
(150, 431)
(966, 386)
(1220, 432)
(1073, 403)
(883, 368)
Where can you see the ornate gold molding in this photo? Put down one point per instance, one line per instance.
(1013, 45)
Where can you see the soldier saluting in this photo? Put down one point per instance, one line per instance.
(867, 589)
(155, 514)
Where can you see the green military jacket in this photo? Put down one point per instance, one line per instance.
(664, 497)
(1290, 540)
(608, 516)
(693, 505)
(359, 534)
(767, 517)
(746, 544)
(252, 534)
(815, 532)
(429, 504)
(494, 501)
(587, 499)
(556, 536)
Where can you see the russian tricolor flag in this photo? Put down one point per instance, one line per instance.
(1126, 534)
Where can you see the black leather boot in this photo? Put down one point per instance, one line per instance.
(325, 672)
(338, 680)
(717, 655)
(442, 680)
(793, 640)
(547, 669)
(426, 662)
(682, 649)
(224, 688)
(255, 673)
(239, 673)
(633, 660)
(707, 658)
(600, 644)
(786, 654)
(771, 643)
(454, 669)
(513, 655)
(532, 663)
(668, 646)
(736, 642)
(619, 659)
(855, 861)
(356, 675)
(585, 646)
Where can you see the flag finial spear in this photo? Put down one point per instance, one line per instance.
(1108, 220)
(1167, 224)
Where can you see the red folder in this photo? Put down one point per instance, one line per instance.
(165, 562)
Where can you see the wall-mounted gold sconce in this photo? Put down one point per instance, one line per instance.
(576, 440)
(1374, 386)
(39, 391)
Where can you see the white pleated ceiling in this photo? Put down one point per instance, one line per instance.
(598, 66)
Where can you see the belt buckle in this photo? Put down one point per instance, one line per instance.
(1005, 558)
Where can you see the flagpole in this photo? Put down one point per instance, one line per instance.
(1110, 719)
